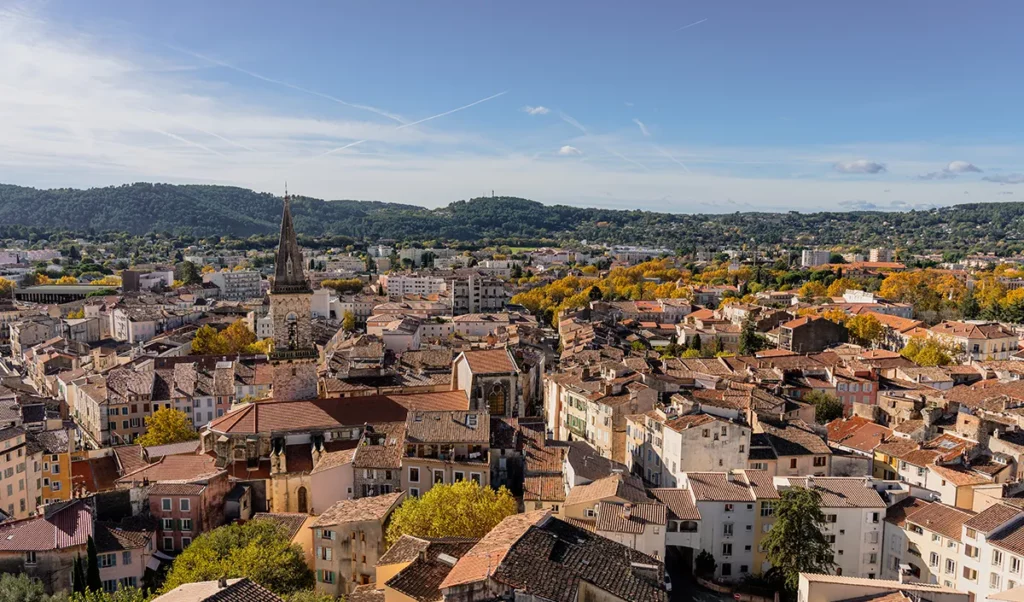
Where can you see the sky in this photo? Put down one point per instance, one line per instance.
(690, 107)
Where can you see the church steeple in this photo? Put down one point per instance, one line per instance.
(288, 274)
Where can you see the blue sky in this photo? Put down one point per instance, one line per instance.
(670, 106)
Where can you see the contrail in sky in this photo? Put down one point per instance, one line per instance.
(694, 24)
(201, 130)
(186, 141)
(407, 125)
(674, 160)
(579, 126)
(380, 112)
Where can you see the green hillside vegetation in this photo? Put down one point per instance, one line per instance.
(201, 210)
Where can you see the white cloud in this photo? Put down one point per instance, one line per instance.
(1010, 178)
(859, 166)
(569, 151)
(538, 110)
(643, 128)
(962, 167)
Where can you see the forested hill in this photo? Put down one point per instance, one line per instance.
(212, 210)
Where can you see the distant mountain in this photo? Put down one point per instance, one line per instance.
(225, 210)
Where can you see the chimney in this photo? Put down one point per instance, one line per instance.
(627, 510)
(222, 582)
(730, 477)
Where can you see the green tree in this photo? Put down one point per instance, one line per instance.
(695, 342)
(750, 340)
(259, 550)
(826, 407)
(462, 509)
(22, 588)
(595, 294)
(92, 568)
(796, 544)
(309, 595)
(704, 564)
(188, 273)
(969, 306)
(638, 346)
(78, 575)
(690, 354)
(348, 321)
(121, 594)
(719, 345)
(167, 425)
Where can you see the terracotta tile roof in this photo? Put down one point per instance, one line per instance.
(622, 486)
(959, 476)
(794, 438)
(129, 534)
(876, 583)
(421, 580)
(542, 456)
(761, 484)
(365, 593)
(717, 487)
(363, 509)
(490, 361)
(237, 590)
(448, 427)
(898, 513)
(175, 468)
(381, 446)
(334, 459)
(972, 331)
(551, 559)
(544, 488)
(481, 560)
(679, 503)
(1010, 538)
(290, 522)
(129, 457)
(176, 489)
(990, 518)
(630, 518)
(689, 421)
(172, 449)
(942, 519)
(842, 492)
(408, 548)
(68, 525)
(897, 448)
(587, 524)
(284, 416)
(857, 433)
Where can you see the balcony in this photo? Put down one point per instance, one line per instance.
(463, 454)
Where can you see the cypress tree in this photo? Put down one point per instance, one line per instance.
(92, 570)
(78, 576)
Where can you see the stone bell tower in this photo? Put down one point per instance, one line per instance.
(294, 357)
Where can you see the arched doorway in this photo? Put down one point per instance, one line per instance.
(303, 502)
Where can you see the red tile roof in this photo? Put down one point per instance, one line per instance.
(488, 553)
(175, 468)
(490, 361)
(68, 526)
(276, 416)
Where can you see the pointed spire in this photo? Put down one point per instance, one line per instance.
(289, 276)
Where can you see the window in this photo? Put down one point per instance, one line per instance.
(819, 460)
(726, 569)
(706, 433)
(792, 463)
(950, 566)
(165, 504)
(327, 534)
(933, 559)
(110, 585)
(185, 541)
(936, 537)
(971, 533)
(414, 474)
(727, 529)
(168, 524)
(1014, 564)
(168, 543)
(726, 549)
(874, 517)
(997, 558)
(830, 518)
(186, 525)
(328, 576)
(414, 492)
(55, 486)
(439, 476)
(55, 468)
(588, 512)
(30, 558)
(970, 574)
(971, 551)
(994, 580)
(126, 558)
(106, 560)
(184, 504)
(459, 476)
(728, 507)
(324, 553)
(475, 477)
(767, 508)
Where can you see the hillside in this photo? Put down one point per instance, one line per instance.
(212, 210)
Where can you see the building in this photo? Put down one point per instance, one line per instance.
(124, 550)
(377, 462)
(934, 544)
(993, 556)
(810, 258)
(348, 539)
(810, 334)
(836, 588)
(294, 356)
(490, 378)
(414, 568)
(854, 514)
(881, 255)
(20, 473)
(444, 447)
(186, 510)
(236, 285)
(661, 447)
(44, 547)
(399, 285)
(977, 341)
(477, 293)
